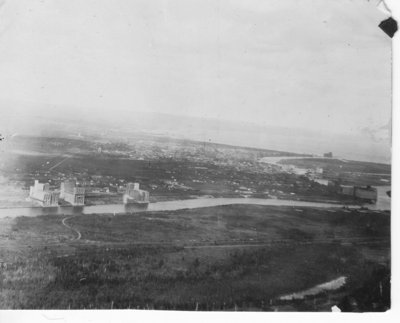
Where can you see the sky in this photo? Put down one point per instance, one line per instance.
(311, 64)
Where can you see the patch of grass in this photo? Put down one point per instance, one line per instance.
(215, 258)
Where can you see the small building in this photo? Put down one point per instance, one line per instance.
(71, 193)
(40, 193)
(134, 195)
(328, 155)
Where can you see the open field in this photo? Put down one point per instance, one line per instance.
(222, 258)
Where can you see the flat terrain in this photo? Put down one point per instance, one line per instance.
(241, 257)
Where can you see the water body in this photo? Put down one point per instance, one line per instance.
(383, 202)
(289, 167)
(331, 285)
(159, 206)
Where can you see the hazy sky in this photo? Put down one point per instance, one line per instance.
(321, 65)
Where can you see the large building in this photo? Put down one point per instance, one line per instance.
(367, 193)
(71, 193)
(40, 193)
(134, 195)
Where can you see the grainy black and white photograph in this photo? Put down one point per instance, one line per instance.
(196, 155)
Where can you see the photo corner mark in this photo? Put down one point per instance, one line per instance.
(389, 26)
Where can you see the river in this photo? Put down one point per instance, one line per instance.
(328, 286)
(158, 206)
(383, 202)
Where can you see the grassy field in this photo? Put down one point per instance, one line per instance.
(222, 258)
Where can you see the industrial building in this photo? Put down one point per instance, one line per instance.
(71, 193)
(358, 192)
(40, 192)
(366, 193)
(134, 195)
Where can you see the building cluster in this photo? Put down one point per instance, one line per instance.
(69, 192)
(75, 195)
(358, 192)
